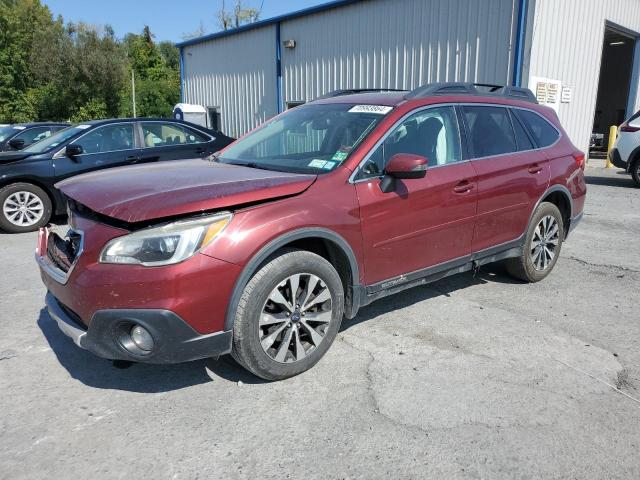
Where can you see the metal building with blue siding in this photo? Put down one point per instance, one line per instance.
(556, 47)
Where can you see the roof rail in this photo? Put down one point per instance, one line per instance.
(464, 88)
(352, 91)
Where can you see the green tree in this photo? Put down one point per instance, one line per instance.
(50, 70)
(19, 22)
(156, 68)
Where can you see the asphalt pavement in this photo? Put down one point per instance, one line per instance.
(475, 376)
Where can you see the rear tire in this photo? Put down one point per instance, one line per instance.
(23, 208)
(542, 245)
(279, 339)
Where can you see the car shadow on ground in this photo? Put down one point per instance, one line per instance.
(622, 180)
(100, 373)
(144, 378)
(493, 273)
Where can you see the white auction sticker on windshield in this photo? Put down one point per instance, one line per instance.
(83, 127)
(379, 109)
(317, 163)
(18, 127)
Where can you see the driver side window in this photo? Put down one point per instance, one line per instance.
(432, 133)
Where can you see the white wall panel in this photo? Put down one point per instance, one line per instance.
(236, 73)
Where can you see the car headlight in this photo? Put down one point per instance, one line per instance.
(167, 244)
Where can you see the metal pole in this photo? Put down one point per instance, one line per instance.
(133, 92)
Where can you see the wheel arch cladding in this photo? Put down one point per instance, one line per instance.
(326, 243)
(561, 198)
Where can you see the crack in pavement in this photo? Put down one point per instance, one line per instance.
(372, 393)
(600, 265)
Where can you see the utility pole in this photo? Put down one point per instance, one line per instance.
(133, 92)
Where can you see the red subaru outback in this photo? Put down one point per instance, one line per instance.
(262, 249)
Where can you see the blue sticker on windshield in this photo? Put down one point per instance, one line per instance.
(329, 165)
(339, 156)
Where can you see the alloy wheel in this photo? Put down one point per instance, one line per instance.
(545, 241)
(295, 317)
(23, 208)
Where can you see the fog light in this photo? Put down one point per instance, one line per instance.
(142, 338)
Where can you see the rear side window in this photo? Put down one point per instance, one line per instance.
(160, 134)
(543, 133)
(490, 131)
(522, 138)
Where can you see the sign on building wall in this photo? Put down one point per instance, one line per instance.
(548, 92)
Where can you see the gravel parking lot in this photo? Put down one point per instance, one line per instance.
(471, 377)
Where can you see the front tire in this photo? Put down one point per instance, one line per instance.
(635, 172)
(23, 208)
(541, 246)
(288, 315)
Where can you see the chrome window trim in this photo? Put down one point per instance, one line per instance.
(356, 171)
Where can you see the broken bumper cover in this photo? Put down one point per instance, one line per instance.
(174, 340)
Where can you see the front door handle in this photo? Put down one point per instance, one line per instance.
(132, 158)
(200, 150)
(463, 187)
(535, 168)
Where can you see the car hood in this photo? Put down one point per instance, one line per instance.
(8, 157)
(146, 192)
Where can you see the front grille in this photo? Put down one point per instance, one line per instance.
(64, 251)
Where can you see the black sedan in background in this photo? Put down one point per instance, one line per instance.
(20, 135)
(28, 197)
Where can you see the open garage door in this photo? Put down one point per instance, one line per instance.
(613, 86)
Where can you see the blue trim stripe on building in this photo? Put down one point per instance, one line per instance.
(269, 21)
(279, 105)
(519, 50)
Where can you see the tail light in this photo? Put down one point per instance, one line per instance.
(579, 157)
(625, 127)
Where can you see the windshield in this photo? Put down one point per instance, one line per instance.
(8, 131)
(306, 139)
(55, 140)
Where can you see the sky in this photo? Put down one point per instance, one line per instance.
(168, 19)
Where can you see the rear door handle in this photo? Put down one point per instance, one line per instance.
(463, 187)
(535, 168)
(200, 150)
(132, 158)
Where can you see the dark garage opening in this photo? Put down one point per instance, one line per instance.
(613, 86)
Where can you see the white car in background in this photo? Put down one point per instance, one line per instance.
(626, 149)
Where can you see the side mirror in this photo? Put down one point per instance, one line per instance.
(16, 143)
(403, 166)
(73, 149)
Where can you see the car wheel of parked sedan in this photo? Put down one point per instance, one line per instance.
(635, 172)
(542, 245)
(288, 315)
(24, 208)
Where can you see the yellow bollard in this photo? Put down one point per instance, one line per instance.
(613, 133)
